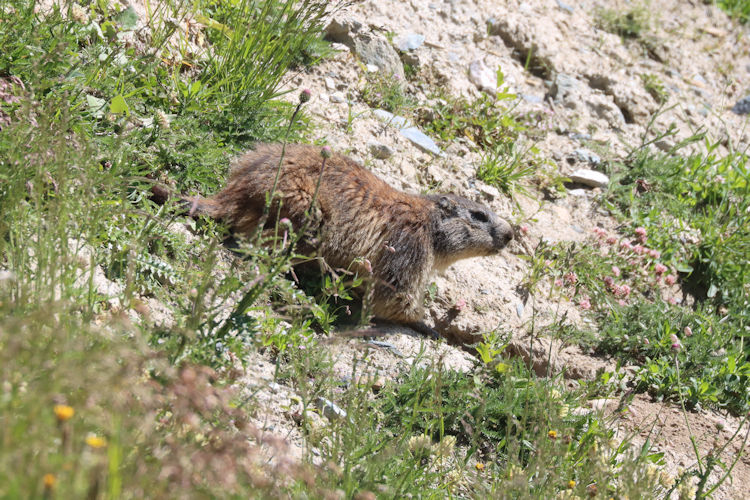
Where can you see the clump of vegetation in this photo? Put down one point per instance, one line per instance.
(387, 92)
(655, 87)
(738, 9)
(631, 23)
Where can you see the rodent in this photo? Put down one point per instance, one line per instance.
(405, 237)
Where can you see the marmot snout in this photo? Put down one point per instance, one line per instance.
(404, 237)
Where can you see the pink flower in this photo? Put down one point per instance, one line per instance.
(670, 279)
(672, 301)
(640, 232)
(616, 271)
(625, 245)
(646, 342)
(654, 254)
(676, 346)
(368, 265)
(639, 249)
(305, 95)
(524, 229)
(547, 263)
(558, 282)
(571, 278)
(622, 302)
(460, 305)
(621, 291)
(611, 240)
(674, 338)
(601, 233)
(610, 282)
(585, 303)
(660, 269)
(688, 331)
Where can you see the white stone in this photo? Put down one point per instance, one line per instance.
(589, 178)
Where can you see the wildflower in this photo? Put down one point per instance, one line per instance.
(325, 151)
(654, 254)
(688, 331)
(419, 444)
(610, 282)
(558, 282)
(622, 302)
(445, 447)
(571, 484)
(676, 346)
(162, 119)
(305, 95)
(563, 411)
(95, 441)
(571, 278)
(639, 249)
(585, 303)
(63, 412)
(368, 265)
(686, 490)
(665, 479)
(479, 466)
(555, 394)
(670, 279)
(625, 245)
(79, 15)
(611, 240)
(49, 481)
(660, 269)
(524, 229)
(552, 434)
(285, 221)
(641, 233)
(460, 305)
(646, 341)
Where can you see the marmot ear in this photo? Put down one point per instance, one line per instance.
(446, 204)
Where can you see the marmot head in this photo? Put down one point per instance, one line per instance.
(463, 228)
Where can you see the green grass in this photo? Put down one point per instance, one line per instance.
(97, 117)
(738, 9)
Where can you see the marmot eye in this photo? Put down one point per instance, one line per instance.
(479, 216)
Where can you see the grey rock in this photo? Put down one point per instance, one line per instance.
(579, 193)
(421, 140)
(389, 346)
(742, 107)
(519, 309)
(342, 29)
(483, 77)
(567, 8)
(375, 49)
(379, 150)
(338, 97)
(565, 89)
(590, 178)
(330, 84)
(329, 409)
(408, 130)
(533, 99)
(411, 41)
(580, 137)
(390, 119)
(586, 156)
(488, 192)
(372, 48)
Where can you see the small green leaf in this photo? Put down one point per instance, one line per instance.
(96, 106)
(119, 106)
(128, 18)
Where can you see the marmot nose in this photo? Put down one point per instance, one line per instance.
(505, 233)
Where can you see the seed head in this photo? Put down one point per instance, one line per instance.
(305, 95)
(326, 152)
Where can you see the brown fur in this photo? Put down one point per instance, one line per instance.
(404, 236)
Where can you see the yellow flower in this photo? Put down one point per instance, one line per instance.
(96, 441)
(479, 466)
(552, 434)
(571, 484)
(63, 412)
(49, 481)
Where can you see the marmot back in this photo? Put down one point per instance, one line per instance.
(358, 215)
